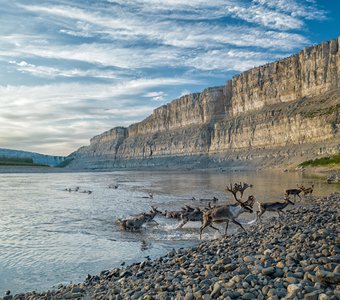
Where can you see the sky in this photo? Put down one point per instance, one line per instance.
(70, 70)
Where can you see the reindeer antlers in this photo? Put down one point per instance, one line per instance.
(238, 187)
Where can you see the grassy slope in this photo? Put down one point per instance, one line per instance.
(329, 161)
(11, 161)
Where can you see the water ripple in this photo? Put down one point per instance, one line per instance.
(50, 236)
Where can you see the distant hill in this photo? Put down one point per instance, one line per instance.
(25, 156)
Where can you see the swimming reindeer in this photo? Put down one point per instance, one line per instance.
(273, 206)
(229, 212)
(177, 214)
(136, 222)
(193, 215)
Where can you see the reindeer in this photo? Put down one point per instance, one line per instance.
(132, 224)
(306, 191)
(136, 222)
(295, 192)
(226, 213)
(272, 206)
(177, 214)
(193, 215)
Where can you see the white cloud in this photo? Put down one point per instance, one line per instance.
(265, 17)
(31, 114)
(297, 8)
(43, 71)
(228, 60)
(133, 58)
(157, 96)
(121, 40)
(184, 92)
(128, 26)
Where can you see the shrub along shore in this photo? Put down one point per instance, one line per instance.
(294, 257)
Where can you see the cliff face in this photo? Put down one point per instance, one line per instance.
(312, 72)
(190, 110)
(268, 109)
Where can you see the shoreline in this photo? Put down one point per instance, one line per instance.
(293, 257)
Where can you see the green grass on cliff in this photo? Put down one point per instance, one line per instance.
(323, 161)
(16, 161)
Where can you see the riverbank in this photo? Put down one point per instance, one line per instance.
(296, 257)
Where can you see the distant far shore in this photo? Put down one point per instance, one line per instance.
(321, 172)
(25, 169)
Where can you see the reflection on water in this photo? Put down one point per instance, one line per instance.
(49, 235)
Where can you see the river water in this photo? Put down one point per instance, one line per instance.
(49, 235)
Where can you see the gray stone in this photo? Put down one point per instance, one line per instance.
(323, 297)
(189, 296)
(268, 271)
(248, 296)
(312, 296)
(328, 277)
(293, 289)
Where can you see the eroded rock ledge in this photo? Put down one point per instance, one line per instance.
(272, 113)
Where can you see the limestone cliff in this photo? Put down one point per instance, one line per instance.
(289, 108)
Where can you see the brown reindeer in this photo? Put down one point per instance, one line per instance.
(137, 221)
(295, 192)
(195, 215)
(307, 191)
(177, 214)
(229, 212)
(273, 206)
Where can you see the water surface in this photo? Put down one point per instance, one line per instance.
(49, 235)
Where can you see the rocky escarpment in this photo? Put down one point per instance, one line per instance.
(269, 114)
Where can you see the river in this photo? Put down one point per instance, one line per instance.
(49, 235)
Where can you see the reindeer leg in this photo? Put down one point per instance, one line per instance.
(214, 227)
(226, 226)
(182, 224)
(239, 224)
(205, 224)
(259, 214)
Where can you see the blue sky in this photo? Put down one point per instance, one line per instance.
(70, 70)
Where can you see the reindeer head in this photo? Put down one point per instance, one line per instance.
(155, 210)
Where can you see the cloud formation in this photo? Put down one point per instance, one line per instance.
(71, 70)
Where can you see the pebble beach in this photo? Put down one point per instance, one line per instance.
(293, 257)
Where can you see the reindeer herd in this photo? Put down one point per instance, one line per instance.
(215, 214)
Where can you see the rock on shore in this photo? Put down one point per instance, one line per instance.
(295, 257)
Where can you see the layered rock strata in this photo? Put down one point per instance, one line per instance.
(287, 108)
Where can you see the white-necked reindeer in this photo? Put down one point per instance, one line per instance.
(229, 212)
(273, 206)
